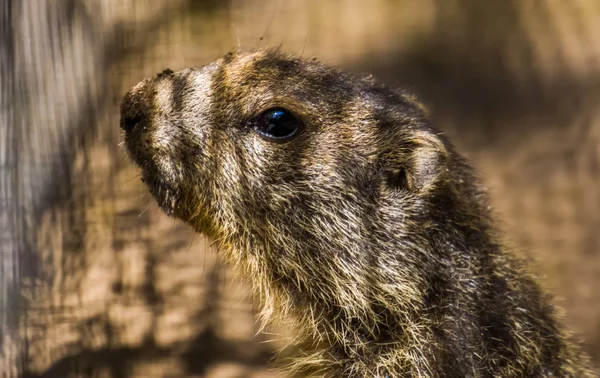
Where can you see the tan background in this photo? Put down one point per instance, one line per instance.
(120, 290)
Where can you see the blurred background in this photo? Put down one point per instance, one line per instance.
(96, 282)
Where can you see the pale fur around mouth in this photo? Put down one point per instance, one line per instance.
(165, 194)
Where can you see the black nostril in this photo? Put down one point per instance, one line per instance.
(128, 123)
(133, 110)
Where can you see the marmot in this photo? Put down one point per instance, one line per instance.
(355, 219)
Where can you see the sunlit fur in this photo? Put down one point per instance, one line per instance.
(367, 233)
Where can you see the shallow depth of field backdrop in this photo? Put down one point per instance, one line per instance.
(96, 282)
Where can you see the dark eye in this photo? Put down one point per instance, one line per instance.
(277, 125)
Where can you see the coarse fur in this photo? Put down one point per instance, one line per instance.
(367, 232)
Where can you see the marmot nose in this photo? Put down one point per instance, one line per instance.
(134, 108)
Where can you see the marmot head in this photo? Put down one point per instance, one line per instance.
(321, 185)
(257, 135)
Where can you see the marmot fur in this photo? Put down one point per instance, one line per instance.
(357, 221)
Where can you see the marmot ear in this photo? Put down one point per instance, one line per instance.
(417, 163)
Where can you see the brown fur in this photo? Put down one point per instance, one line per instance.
(366, 232)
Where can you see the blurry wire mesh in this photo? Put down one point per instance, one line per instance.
(97, 282)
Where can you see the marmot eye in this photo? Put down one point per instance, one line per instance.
(277, 125)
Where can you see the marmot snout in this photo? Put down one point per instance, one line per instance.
(358, 223)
